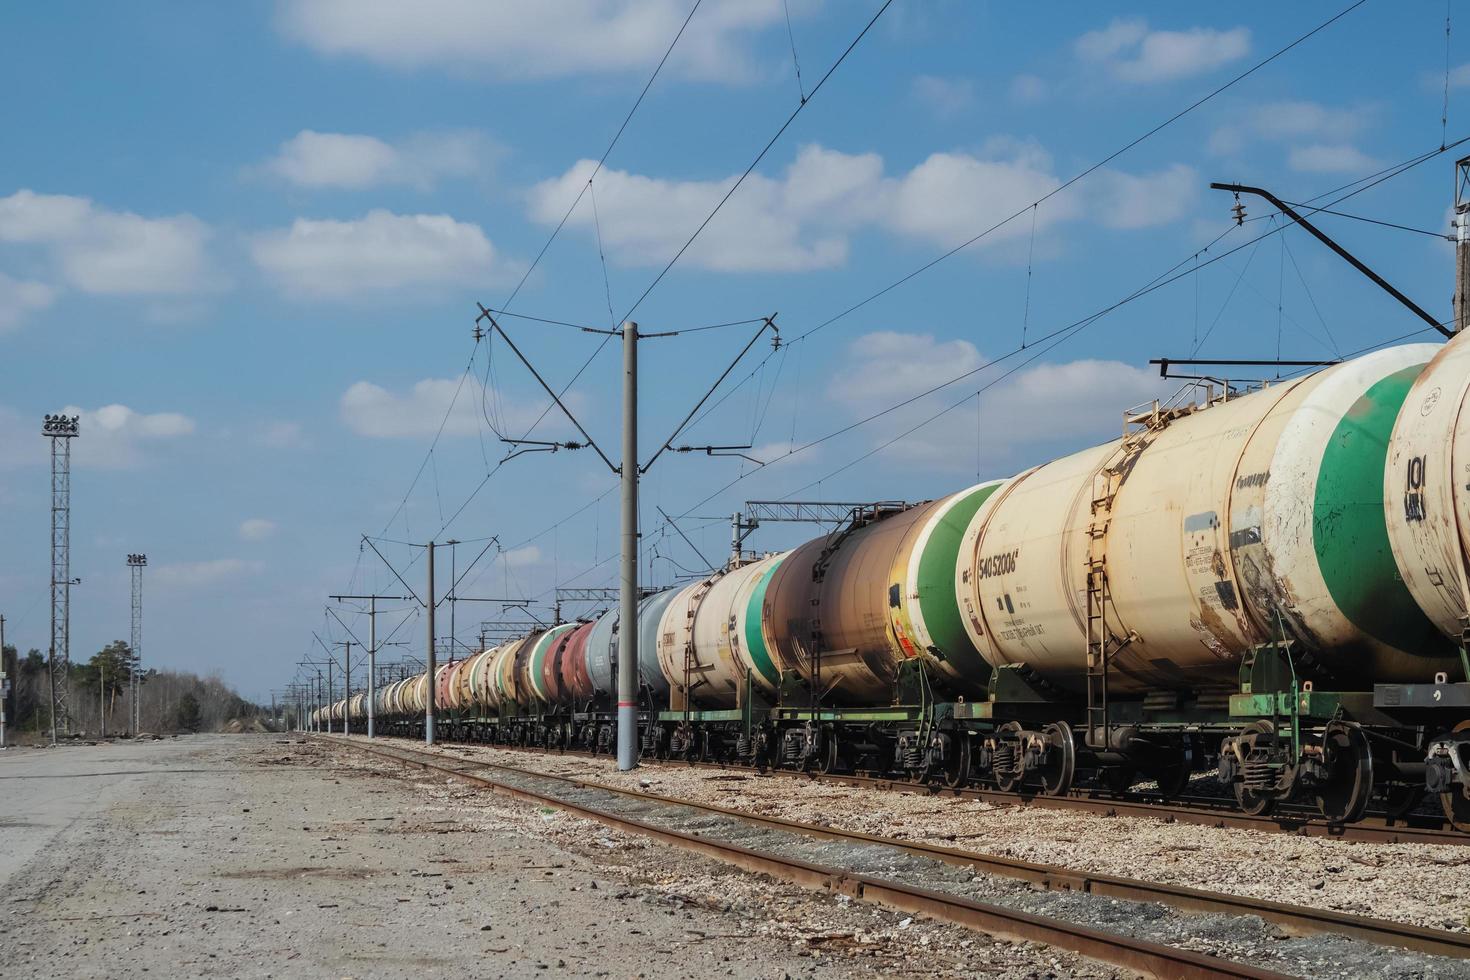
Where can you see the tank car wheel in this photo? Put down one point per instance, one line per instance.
(1349, 759)
(1454, 803)
(1056, 777)
(698, 750)
(957, 770)
(1117, 779)
(1173, 778)
(829, 753)
(1401, 799)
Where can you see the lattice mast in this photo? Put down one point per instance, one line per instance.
(61, 430)
(136, 564)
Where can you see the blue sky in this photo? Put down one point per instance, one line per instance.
(246, 242)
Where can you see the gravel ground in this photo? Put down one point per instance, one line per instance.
(256, 856)
(1422, 884)
(1245, 939)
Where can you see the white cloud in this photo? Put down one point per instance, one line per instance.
(202, 574)
(1133, 53)
(944, 96)
(281, 435)
(888, 366)
(1320, 158)
(111, 437)
(521, 557)
(1029, 89)
(804, 220)
(537, 40)
(1126, 201)
(1289, 121)
(1459, 77)
(1047, 408)
(371, 410)
(101, 251)
(19, 298)
(645, 220)
(257, 529)
(354, 162)
(380, 251)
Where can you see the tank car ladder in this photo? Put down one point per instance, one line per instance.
(1140, 426)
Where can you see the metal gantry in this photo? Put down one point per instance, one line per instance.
(61, 430)
(136, 564)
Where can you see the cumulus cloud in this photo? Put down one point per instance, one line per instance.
(1292, 121)
(804, 219)
(380, 251)
(281, 435)
(257, 529)
(98, 250)
(372, 410)
(1320, 158)
(1029, 89)
(202, 574)
(645, 220)
(944, 96)
(1133, 53)
(537, 40)
(1052, 406)
(347, 161)
(112, 437)
(19, 298)
(521, 557)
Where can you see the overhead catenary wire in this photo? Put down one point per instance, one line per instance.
(756, 371)
(761, 156)
(1089, 170)
(1173, 275)
(605, 154)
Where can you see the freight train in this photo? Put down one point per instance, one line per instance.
(1272, 584)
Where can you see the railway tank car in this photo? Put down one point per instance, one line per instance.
(1273, 584)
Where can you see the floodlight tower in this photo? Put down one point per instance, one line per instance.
(61, 430)
(136, 564)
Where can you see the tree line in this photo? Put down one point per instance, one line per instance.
(169, 701)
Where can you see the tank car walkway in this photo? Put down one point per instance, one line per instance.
(263, 856)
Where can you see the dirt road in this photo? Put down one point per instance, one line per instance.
(259, 856)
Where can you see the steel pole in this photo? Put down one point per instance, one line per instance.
(346, 683)
(628, 601)
(429, 660)
(372, 660)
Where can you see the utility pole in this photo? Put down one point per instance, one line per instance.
(628, 602)
(628, 474)
(346, 682)
(61, 430)
(372, 648)
(429, 657)
(1462, 244)
(4, 683)
(102, 698)
(136, 564)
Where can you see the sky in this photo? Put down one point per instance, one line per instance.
(246, 244)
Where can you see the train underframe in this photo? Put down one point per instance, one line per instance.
(1274, 740)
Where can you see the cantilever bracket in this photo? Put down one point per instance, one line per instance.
(1351, 259)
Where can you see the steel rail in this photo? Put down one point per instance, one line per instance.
(1369, 830)
(1296, 918)
(1154, 959)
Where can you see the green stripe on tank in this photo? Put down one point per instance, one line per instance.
(936, 577)
(755, 641)
(1349, 529)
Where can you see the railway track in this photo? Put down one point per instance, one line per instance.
(1372, 829)
(1130, 952)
